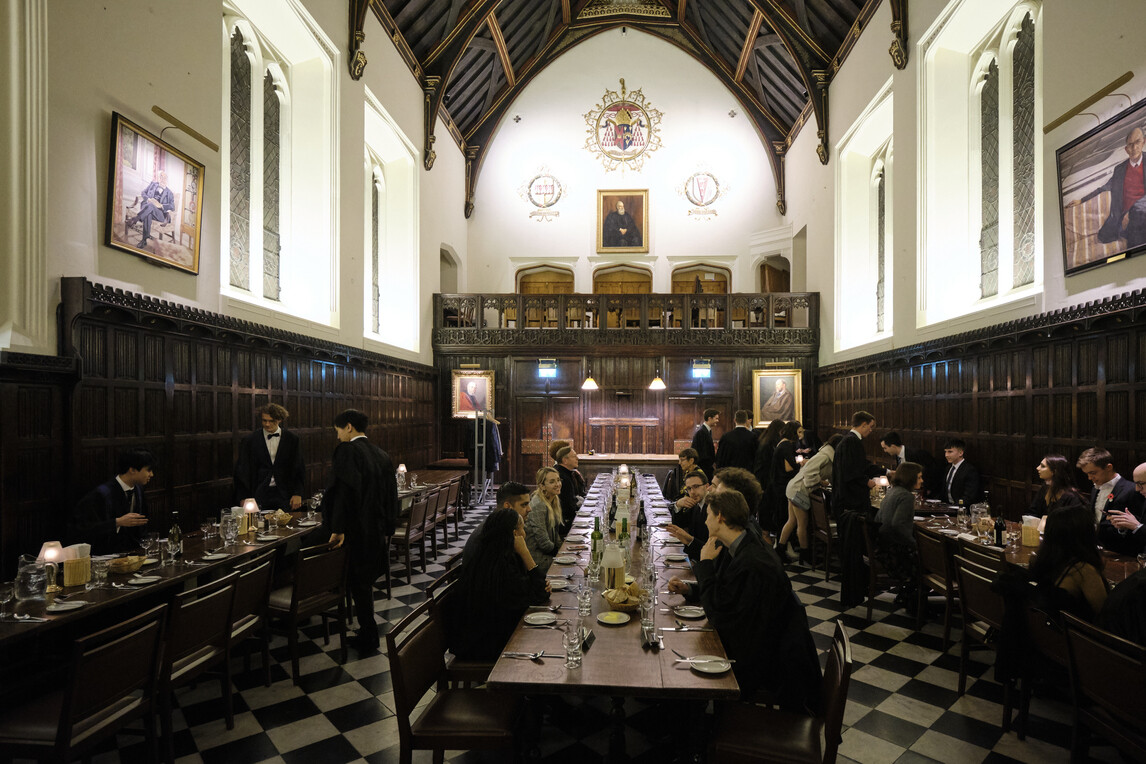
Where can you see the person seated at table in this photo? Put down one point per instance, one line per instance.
(511, 495)
(749, 601)
(572, 487)
(749, 487)
(961, 483)
(543, 523)
(1124, 531)
(556, 446)
(1057, 475)
(814, 473)
(113, 516)
(1117, 504)
(895, 545)
(892, 445)
(673, 489)
(1068, 566)
(688, 527)
(495, 589)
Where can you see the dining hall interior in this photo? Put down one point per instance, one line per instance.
(495, 225)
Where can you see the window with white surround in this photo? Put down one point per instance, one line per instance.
(863, 226)
(392, 315)
(279, 161)
(981, 218)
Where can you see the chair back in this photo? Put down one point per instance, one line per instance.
(416, 647)
(442, 497)
(436, 590)
(253, 588)
(319, 577)
(452, 497)
(979, 602)
(837, 674)
(932, 554)
(1108, 676)
(199, 624)
(112, 669)
(417, 526)
(995, 559)
(431, 499)
(1045, 633)
(820, 521)
(870, 532)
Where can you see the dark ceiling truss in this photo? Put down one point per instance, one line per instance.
(473, 57)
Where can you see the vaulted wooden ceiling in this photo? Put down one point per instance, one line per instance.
(472, 57)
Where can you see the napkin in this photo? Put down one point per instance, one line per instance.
(967, 537)
(77, 551)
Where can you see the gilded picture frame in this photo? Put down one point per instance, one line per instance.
(777, 394)
(472, 391)
(622, 221)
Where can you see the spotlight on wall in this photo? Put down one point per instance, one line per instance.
(547, 368)
(702, 368)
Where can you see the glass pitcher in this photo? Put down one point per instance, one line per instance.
(981, 522)
(32, 580)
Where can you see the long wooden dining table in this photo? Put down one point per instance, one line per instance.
(617, 664)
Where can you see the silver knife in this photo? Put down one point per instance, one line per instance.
(687, 628)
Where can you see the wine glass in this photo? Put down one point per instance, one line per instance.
(150, 544)
(230, 530)
(174, 547)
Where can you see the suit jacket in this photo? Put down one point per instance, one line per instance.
(569, 496)
(93, 519)
(702, 442)
(737, 449)
(253, 470)
(362, 502)
(1111, 229)
(1126, 499)
(965, 485)
(850, 472)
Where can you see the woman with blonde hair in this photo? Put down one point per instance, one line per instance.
(542, 525)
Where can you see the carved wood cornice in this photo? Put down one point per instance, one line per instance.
(793, 342)
(898, 49)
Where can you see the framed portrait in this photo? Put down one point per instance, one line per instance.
(155, 198)
(1103, 217)
(777, 394)
(623, 221)
(472, 392)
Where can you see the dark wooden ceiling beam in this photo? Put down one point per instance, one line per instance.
(898, 49)
(452, 16)
(768, 40)
(831, 18)
(566, 13)
(749, 44)
(502, 51)
(802, 14)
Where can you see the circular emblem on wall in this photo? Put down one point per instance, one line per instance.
(623, 129)
(702, 188)
(543, 190)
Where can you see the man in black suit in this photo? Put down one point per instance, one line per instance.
(674, 488)
(572, 486)
(113, 516)
(360, 507)
(892, 445)
(1127, 189)
(270, 468)
(737, 446)
(1118, 507)
(853, 476)
(962, 480)
(702, 442)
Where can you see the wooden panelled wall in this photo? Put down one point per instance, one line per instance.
(535, 411)
(184, 384)
(1057, 383)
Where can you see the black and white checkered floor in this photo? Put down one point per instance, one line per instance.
(902, 706)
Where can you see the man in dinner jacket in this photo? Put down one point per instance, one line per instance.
(270, 468)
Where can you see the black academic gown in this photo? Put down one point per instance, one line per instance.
(93, 519)
(702, 442)
(254, 470)
(362, 503)
(737, 449)
(850, 472)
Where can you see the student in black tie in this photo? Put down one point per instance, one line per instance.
(270, 468)
(853, 476)
(961, 483)
(892, 445)
(113, 516)
(1116, 505)
(702, 442)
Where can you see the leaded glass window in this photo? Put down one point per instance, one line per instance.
(989, 164)
(881, 252)
(272, 245)
(375, 203)
(1023, 129)
(240, 163)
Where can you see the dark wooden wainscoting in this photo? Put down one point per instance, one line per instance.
(1060, 382)
(185, 384)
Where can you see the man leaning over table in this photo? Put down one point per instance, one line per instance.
(113, 516)
(511, 495)
(749, 601)
(360, 507)
(852, 474)
(1118, 506)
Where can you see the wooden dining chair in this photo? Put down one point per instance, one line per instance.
(441, 520)
(936, 574)
(453, 509)
(411, 533)
(982, 620)
(319, 588)
(988, 557)
(878, 579)
(1046, 639)
(824, 530)
(455, 718)
(249, 622)
(1108, 677)
(443, 592)
(751, 733)
(431, 524)
(198, 639)
(110, 682)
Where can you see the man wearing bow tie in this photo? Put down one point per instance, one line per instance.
(270, 468)
(113, 516)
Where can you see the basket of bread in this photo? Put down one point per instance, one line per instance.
(128, 564)
(627, 598)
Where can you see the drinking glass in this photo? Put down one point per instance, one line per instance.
(585, 599)
(150, 544)
(594, 570)
(172, 548)
(99, 574)
(206, 527)
(647, 610)
(230, 530)
(571, 641)
(7, 599)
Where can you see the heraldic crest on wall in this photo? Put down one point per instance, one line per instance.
(702, 190)
(623, 129)
(543, 190)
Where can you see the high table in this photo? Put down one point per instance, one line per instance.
(426, 480)
(616, 664)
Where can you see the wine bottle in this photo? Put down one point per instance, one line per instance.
(1000, 529)
(597, 540)
(624, 529)
(175, 536)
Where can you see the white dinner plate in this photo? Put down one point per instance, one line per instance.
(613, 618)
(540, 619)
(216, 556)
(565, 559)
(676, 557)
(949, 531)
(307, 523)
(557, 584)
(689, 611)
(266, 538)
(143, 580)
(63, 607)
(709, 664)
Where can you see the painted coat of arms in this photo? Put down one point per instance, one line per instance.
(543, 191)
(702, 190)
(623, 129)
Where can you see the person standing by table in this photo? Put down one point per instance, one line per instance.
(360, 507)
(270, 467)
(749, 601)
(543, 522)
(702, 441)
(784, 468)
(113, 516)
(814, 473)
(737, 447)
(853, 476)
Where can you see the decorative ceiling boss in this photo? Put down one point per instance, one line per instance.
(623, 129)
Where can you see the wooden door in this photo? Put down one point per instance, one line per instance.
(540, 421)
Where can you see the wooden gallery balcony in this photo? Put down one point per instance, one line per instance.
(786, 321)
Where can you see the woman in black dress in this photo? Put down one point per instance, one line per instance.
(1068, 566)
(496, 586)
(762, 465)
(784, 468)
(1057, 475)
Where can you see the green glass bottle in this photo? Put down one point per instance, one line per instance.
(597, 540)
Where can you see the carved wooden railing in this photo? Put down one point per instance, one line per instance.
(788, 320)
